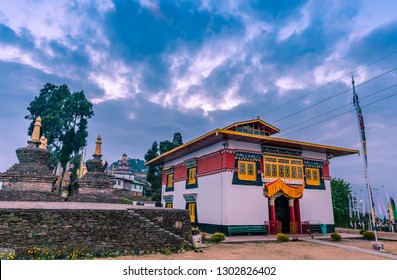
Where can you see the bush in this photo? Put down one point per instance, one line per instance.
(125, 200)
(336, 236)
(217, 237)
(362, 231)
(282, 237)
(369, 235)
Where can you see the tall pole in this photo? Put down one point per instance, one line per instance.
(361, 129)
(363, 209)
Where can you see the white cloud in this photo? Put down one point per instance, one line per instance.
(132, 116)
(189, 73)
(117, 82)
(51, 20)
(16, 55)
(289, 83)
(149, 4)
(296, 26)
(372, 15)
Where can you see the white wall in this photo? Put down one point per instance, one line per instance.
(244, 146)
(316, 205)
(244, 205)
(208, 198)
(208, 150)
(314, 155)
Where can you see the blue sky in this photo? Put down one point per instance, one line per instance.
(153, 68)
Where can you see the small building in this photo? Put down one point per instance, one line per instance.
(243, 177)
(125, 179)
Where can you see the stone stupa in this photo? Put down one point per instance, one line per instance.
(96, 180)
(34, 172)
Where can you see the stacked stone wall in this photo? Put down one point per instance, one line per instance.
(33, 172)
(93, 181)
(22, 195)
(13, 194)
(165, 219)
(91, 230)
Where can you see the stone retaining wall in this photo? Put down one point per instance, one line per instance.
(166, 220)
(94, 230)
(11, 194)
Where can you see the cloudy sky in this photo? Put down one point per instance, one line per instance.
(153, 68)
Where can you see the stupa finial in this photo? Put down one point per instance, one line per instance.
(36, 130)
(98, 143)
(34, 141)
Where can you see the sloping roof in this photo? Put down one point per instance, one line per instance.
(128, 180)
(218, 135)
(269, 128)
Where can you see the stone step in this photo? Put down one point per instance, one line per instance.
(158, 228)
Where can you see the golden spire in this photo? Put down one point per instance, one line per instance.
(43, 142)
(36, 130)
(98, 143)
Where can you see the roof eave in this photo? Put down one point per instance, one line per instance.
(332, 151)
(160, 159)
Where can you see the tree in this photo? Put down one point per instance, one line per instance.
(154, 174)
(340, 191)
(167, 145)
(64, 119)
(177, 141)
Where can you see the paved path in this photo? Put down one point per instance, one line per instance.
(353, 248)
(270, 238)
(318, 239)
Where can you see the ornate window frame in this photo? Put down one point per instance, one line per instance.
(250, 163)
(169, 179)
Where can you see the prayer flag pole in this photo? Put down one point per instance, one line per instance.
(361, 128)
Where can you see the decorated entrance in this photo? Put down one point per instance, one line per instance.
(284, 210)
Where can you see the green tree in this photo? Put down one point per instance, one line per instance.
(340, 191)
(154, 175)
(64, 119)
(177, 139)
(167, 145)
(154, 172)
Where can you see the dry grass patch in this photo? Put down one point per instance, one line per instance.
(274, 251)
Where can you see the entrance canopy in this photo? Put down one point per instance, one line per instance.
(279, 185)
